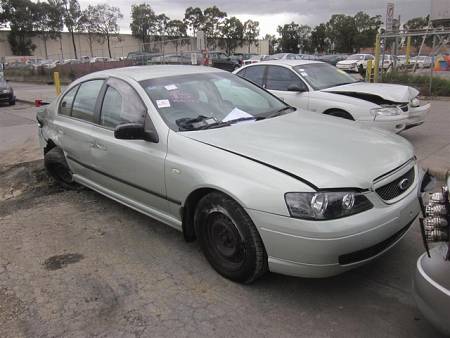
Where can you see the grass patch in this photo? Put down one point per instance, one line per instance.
(439, 86)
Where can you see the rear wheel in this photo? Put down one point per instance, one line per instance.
(12, 102)
(57, 167)
(229, 239)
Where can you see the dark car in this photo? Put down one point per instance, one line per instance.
(7, 93)
(216, 59)
(332, 59)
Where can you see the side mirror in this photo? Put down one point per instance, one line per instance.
(296, 88)
(135, 131)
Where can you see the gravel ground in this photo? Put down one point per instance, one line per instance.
(76, 264)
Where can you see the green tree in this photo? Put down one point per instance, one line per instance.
(71, 15)
(49, 24)
(319, 39)
(341, 30)
(273, 42)
(193, 18)
(143, 22)
(211, 24)
(367, 28)
(21, 17)
(107, 23)
(161, 29)
(251, 32)
(289, 37)
(89, 22)
(232, 34)
(176, 29)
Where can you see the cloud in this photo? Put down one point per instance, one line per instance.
(271, 13)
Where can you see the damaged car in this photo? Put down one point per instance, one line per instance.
(322, 88)
(261, 185)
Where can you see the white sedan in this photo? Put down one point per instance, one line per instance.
(322, 88)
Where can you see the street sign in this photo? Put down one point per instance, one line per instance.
(389, 16)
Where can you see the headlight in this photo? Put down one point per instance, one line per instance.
(326, 205)
(354, 64)
(415, 102)
(385, 111)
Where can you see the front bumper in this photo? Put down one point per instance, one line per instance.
(394, 124)
(326, 248)
(417, 115)
(432, 298)
(7, 97)
(348, 68)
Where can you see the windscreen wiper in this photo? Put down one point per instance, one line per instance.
(278, 112)
(202, 122)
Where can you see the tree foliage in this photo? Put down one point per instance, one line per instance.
(193, 18)
(71, 15)
(232, 34)
(143, 22)
(107, 23)
(49, 25)
(251, 32)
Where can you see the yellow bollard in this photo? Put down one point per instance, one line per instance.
(376, 68)
(408, 50)
(57, 83)
(369, 71)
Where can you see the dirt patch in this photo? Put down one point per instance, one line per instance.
(10, 306)
(61, 261)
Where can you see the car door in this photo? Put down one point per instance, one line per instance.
(279, 79)
(73, 124)
(133, 169)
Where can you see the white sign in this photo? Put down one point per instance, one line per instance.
(201, 40)
(194, 58)
(389, 16)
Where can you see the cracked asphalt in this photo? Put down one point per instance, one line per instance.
(76, 264)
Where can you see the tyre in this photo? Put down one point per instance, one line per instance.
(12, 102)
(229, 239)
(57, 167)
(339, 113)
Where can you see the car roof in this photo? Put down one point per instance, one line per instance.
(140, 73)
(285, 62)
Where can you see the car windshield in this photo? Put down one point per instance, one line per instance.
(200, 101)
(322, 75)
(356, 57)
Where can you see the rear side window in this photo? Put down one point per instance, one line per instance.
(280, 78)
(121, 104)
(85, 100)
(254, 74)
(65, 107)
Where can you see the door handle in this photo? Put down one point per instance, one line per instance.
(96, 145)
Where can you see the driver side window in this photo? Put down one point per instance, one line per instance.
(121, 104)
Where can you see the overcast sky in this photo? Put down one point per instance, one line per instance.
(271, 13)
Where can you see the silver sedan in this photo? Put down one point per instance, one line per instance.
(261, 185)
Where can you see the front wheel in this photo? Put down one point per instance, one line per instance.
(57, 167)
(229, 239)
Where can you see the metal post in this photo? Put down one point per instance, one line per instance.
(408, 50)
(432, 64)
(369, 71)
(377, 58)
(383, 50)
(57, 83)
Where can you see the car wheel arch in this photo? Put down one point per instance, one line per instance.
(337, 112)
(189, 207)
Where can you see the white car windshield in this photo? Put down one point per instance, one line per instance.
(322, 75)
(202, 101)
(356, 57)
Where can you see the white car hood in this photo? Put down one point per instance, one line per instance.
(348, 62)
(327, 152)
(391, 92)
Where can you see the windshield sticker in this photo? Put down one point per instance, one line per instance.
(171, 87)
(303, 74)
(301, 69)
(236, 113)
(163, 103)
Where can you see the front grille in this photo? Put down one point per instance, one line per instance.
(394, 188)
(361, 255)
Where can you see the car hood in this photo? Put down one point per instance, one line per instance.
(348, 62)
(327, 152)
(391, 92)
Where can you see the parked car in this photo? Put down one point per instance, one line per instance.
(6, 92)
(295, 192)
(283, 56)
(223, 61)
(355, 63)
(71, 61)
(322, 88)
(422, 61)
(332, 59)
(142, 57)
(241, 57)
(389, 60)
(431, 286)
(255, 59)
(96, 59)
